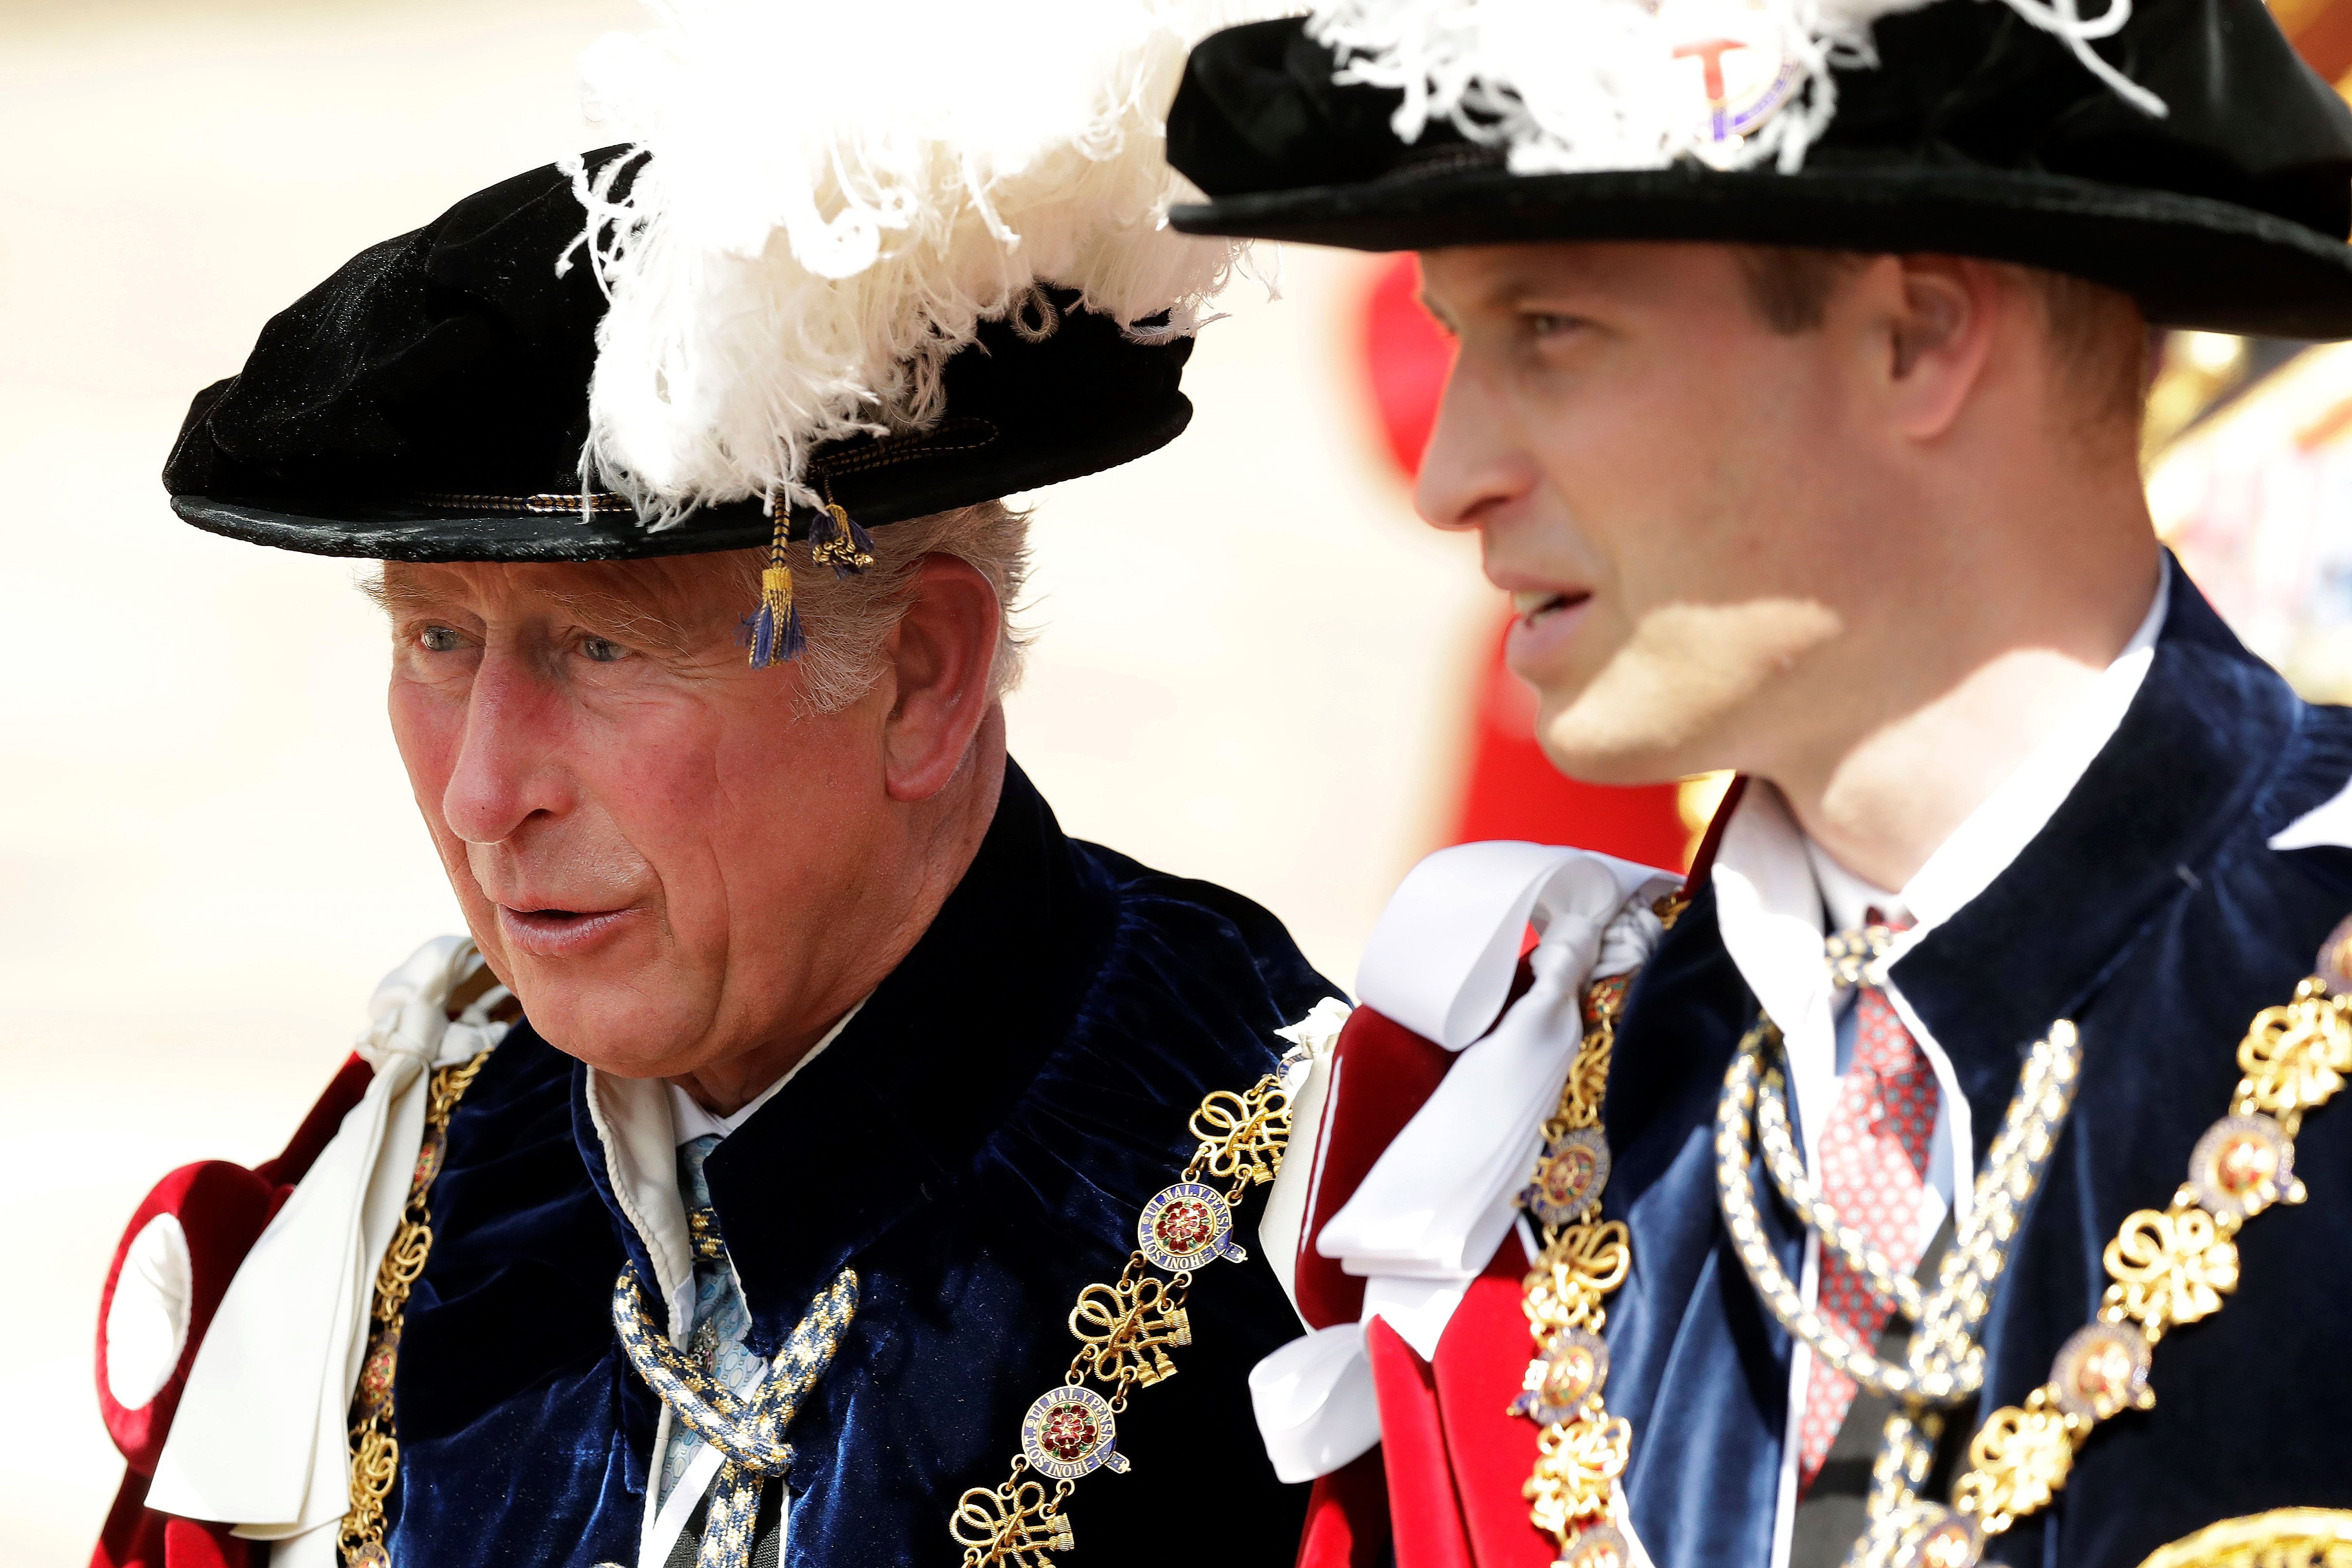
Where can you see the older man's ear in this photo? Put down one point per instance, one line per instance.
(936, 669)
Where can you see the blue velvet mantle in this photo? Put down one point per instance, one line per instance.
(2150, 912)
(976, 1144)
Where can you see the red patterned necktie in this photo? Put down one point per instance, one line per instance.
(1872, 1166)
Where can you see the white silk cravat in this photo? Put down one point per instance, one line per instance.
(260, 1438)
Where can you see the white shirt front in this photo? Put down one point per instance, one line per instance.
(1778, 895)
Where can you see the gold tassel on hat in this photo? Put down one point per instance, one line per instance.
(773, 632)
(836, 541)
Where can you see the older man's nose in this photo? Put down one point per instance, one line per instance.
(1472, 467)
(509, 765)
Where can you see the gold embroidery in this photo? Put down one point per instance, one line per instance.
(375, 1445)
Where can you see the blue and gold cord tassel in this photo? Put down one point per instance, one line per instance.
(773, 631)
(836, 541)
(748, 1429)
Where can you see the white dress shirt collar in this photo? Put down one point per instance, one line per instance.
(689, 1120)
(640, 1123)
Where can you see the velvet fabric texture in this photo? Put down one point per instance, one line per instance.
(2151, 911)
(449, 366)
(1976, 134)
(977, 1144)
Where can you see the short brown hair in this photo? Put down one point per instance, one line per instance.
(2098, 339)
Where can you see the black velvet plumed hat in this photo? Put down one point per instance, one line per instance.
(429, 402)
(770, 317)
(2176, 150)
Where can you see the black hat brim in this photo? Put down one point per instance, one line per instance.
(388, 530)
(430, 402)
(2190, 261)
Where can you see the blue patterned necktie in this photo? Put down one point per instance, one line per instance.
(716, 1391)
(715, 1340)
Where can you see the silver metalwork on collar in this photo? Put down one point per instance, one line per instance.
(1943, 1364)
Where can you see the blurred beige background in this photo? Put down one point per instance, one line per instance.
(207, 855)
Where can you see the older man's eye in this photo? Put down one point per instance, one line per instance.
(437, 639)
(1549, 323)
(603, 650)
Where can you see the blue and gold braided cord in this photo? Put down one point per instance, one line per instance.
(748, 1430)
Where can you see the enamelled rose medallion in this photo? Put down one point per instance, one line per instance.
(2102, 1368)
(1570, 1177)
(1186, 1225)
(1571, 1369)
(2242, 1165)
(1070, 1433)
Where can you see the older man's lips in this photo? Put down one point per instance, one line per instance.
(561, 933)
(1545, 619)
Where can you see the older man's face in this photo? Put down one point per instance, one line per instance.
(650, 845)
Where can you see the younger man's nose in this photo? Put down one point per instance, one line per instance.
(1471, 469)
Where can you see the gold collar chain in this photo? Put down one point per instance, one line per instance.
(2168, 1268)
(1125, 1331)
(1580, 1262)
(374, 1442)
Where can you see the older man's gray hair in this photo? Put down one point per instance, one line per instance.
(847, 618)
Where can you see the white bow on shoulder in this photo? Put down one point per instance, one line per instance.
(259, 1440)
(1440, 1199)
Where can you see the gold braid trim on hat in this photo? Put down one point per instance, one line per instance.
(2282, 1538)
(1125, 1331)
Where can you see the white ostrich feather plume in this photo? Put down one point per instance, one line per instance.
(1580, 86)
(839, 193)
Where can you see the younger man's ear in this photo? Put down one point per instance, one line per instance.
(1935, 319)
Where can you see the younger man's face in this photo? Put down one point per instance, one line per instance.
(1671, 490)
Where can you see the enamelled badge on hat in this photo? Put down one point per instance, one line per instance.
(2176, 150)
(782, 313)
